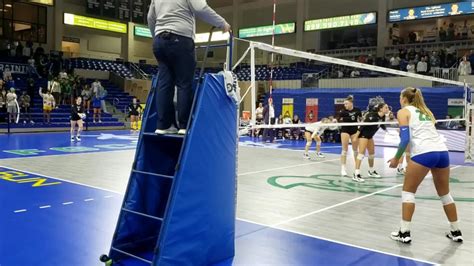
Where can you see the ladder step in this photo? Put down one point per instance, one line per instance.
(143, 214)
(153, 174)
(131, 255)
(163, 136)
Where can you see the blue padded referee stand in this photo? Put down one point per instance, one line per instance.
(179, 208)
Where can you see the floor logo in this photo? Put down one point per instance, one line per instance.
(344, 184)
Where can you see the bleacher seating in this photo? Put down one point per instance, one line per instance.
(293, 72)
(101, 65)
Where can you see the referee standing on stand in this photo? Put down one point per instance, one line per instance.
(173, 27)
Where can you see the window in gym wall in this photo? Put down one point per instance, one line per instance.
(22, 21)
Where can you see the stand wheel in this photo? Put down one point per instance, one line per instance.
(106, 259)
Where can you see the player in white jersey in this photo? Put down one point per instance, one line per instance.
(429, 153)
(314, 131)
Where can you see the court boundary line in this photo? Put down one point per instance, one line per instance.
(331, 240)
(253, 222)
(348, 201)
(287, 167)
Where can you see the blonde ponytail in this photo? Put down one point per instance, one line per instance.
(415, 98)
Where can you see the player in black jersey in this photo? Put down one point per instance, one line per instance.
(77, 118)
(349, 114)
(134, 110)
(366, 141)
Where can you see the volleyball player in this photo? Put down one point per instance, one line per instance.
(349, 114)
(429, 153)
(314, 131)
(134, 110)
(77, 116)
(366, 141)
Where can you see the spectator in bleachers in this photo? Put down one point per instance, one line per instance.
(435, 61)
(12, 109)
(55, 89)
(134, 112)
(451, 32)
(7, 74)
(3, 102)
(96, 105)
(296, 132)
(422, 66)
(87, 97)
(49, 104)
(464, 68)
(19, 50)
(355, 73)
(25, 104)
(395, 62)
(442, 34)
(411, 68)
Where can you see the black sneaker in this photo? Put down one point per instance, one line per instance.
(456, 236)
(357, 178)
(404, 237)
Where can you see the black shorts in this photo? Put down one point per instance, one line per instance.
(349, 130)
(367, 134)
(133, 113)
(75, 118)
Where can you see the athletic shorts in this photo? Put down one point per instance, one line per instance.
(435, 159)
(366, 134)
(349, 130)
(47, 108)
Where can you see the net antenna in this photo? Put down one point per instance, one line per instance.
(469, 116)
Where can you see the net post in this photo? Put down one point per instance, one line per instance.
(252, 82)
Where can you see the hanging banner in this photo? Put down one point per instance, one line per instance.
(14, 68)
(312, 108)
(287, 108)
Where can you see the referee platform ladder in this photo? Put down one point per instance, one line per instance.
(179, 207)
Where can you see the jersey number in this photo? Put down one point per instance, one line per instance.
(422, 116)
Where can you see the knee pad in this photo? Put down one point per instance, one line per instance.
(343, 153)
(318, 143)
(408, 197)
(371, 156)
(308, 143)
(447, 199)
(360, 157)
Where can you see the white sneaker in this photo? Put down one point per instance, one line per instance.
(166, 131)
(78, 138)
(24, 122)
(32, 122)
(306, 156)
(357, 178)
(401, 237)
(374, 174)
(344, 172)
(182, 132)
(320, 155)
(100, 121)
(73, 138)
(400, 171)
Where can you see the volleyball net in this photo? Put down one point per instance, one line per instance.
(308, 87)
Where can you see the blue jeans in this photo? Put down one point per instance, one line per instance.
(177, 62)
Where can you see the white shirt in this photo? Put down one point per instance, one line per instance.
(271, 112)
(259, 112)
(423, 135)
(395, 61)
(422, 67)
(464, 68)
(411, 68)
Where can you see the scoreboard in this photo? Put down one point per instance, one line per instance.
(124, 10)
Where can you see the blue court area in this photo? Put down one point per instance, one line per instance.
(49, 221)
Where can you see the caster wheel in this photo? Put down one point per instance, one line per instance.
(105, 259)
